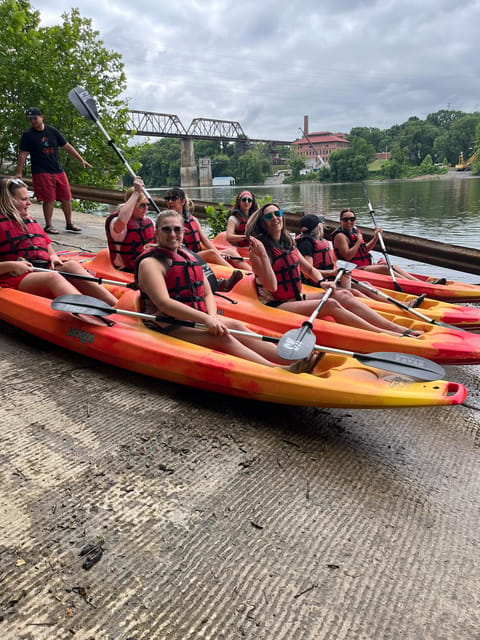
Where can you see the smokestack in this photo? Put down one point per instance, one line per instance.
(305, 125)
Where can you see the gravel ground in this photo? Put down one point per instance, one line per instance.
(217, 518)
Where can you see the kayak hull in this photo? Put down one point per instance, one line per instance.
(338, 381)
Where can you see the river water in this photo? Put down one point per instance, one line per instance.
(447, 209)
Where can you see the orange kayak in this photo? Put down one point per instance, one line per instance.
(440, 344)
(337, 381)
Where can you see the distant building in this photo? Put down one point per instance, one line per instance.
(315, 148)
(384, 155)
(223, 181)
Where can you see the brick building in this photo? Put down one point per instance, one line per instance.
(315, 148)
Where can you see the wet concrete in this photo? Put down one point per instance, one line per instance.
(220, 518)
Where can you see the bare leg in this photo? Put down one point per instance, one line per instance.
(210, 255)
(49, 285)
(357, 307)
(383, 268)
(48, 212)
(67, 211)
(338, 312)
(84, 286)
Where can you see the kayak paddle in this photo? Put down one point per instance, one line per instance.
(402, 363)
(79, 276)
(382, 243)
(86, 106)
(299, 343)
(404, 306)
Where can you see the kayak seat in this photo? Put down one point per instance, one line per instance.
(130, 301)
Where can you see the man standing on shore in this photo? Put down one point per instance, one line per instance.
(50, 182)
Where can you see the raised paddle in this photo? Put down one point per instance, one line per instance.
(86, 106)
(403, 363)
(298, 343)
(382, 243)
(404, 306)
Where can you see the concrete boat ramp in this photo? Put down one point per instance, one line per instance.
(215, 518)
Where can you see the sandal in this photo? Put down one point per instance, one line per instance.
(306, 365)
(72, 228)
(50, 229)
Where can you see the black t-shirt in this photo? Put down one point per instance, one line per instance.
(43, 149)
(305, 245)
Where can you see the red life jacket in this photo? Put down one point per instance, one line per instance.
(191, 233)
(184, 276)
(285, 264)
(362, 258)
(323, 254)
(240, 227)
(139, 233)
(18, 242)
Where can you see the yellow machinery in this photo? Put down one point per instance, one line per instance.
(466, 165)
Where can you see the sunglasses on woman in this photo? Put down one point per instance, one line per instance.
(269, 216)
(349, 219)
(246, 200)
(167, 229)
(171, 198)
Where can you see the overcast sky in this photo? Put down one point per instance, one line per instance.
(267, 63)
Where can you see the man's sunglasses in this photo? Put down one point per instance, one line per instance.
(349, 219)
(246, 200)
(269, 216)
(176, 230)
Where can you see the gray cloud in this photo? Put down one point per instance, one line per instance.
(266, 64)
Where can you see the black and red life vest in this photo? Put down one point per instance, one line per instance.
(323, 254)
(191, 232)
(286, 266)
(184, 276)
(362, 258)
(27, 242)
(140, 231)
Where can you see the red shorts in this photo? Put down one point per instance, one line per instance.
(11, 282)
(49, 187)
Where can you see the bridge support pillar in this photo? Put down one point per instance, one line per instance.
(188, 166)
(205, 172)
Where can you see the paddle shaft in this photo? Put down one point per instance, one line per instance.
(404, 306)
(80, 276)
(382, 243)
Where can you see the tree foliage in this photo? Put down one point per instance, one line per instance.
(38, 67)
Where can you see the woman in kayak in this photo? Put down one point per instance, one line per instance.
(278, 266)
(129, 228)
(24, 245)
(245, 204)
(349, 245)
(173, 284)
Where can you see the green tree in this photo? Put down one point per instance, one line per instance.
(160, 162)
(38, 67)
(254, 166)
(296, 164)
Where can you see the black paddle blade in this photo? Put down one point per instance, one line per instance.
(83, 103)
(404, 363)
(296, 344)
(87, 305)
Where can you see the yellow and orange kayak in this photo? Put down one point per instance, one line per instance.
(337, 381)
(438, 343)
